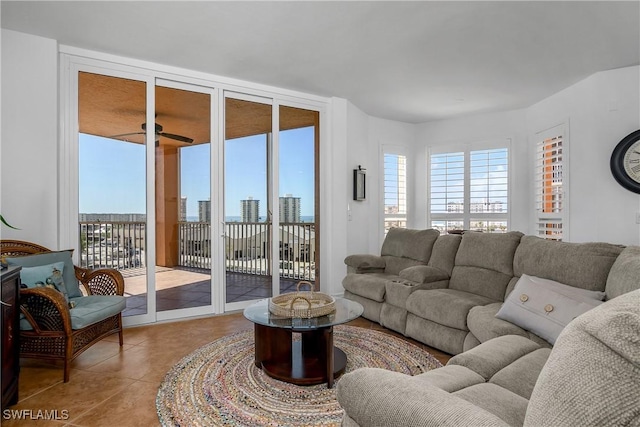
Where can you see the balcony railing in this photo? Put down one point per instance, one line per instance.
(248, 247)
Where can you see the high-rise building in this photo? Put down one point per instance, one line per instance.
(250, 210)
(183, 209)
(289, 208)
(204, 210)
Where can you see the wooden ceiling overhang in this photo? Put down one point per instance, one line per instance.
(109, 106)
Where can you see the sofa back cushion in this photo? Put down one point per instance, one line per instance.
(444, 251)
(404, 248)
(624, 275)
(592, 376)
(484, 263)
(583, 265)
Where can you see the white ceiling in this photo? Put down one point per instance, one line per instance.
(406, 61)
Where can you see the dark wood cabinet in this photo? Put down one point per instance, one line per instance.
(10, 335)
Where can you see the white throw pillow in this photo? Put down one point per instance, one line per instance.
(545, 307)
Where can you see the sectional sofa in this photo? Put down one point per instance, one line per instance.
(445, 291)
(581, 367)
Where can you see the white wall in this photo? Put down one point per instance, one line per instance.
(357, 153)
(479, 128)
(366, 138)
(600, 111)
(28, 148)
(333, 220)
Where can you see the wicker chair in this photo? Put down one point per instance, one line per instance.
(47, 311)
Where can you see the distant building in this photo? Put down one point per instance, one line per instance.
(204, 210)
(112, 217)
(289, 208)
(482, 207)
(250, 210)
(183, 209)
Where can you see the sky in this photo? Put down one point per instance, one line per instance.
(112, 173)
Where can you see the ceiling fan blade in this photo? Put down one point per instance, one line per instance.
(125, 134)
(176, 137)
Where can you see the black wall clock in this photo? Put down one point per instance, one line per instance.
(625, 162)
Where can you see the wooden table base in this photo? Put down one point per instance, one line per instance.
(311, 360)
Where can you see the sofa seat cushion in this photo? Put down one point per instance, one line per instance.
(448, 307)
(496, 400)
(492, 356)
(94, 308)
(451, 378)
(484, 325)
(369, 285)
(88, 310)
(375, 397)
(520, 376)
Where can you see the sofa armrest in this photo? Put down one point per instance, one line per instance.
(363, 263)
(424, 274)
(379, 398)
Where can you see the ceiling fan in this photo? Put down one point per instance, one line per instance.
(159, 133)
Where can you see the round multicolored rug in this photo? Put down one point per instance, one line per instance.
(219, 384)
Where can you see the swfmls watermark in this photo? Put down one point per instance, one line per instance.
(35, 414)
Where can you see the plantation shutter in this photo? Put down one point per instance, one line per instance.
(395, 191)
(469, 189)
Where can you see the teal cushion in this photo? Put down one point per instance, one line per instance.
(49, 275)
(68, 275)
(94, 308)
(32, 275)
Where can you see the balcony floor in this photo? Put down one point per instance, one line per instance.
(184, 287)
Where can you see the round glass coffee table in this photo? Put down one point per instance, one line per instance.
(311, 359)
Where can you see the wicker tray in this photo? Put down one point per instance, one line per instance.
(302, 304)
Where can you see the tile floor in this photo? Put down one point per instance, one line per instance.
(113, 386)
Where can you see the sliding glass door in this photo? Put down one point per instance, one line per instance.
(204, 199)
(248, 211)
(143, 189)
(183, 199)
(298, 201)
(112, 181)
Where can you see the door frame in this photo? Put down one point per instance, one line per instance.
(73, 60)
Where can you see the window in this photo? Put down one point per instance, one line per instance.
(469, 189)
(395, 191)
(549, 191)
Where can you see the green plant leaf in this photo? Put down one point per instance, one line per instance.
(7, 224)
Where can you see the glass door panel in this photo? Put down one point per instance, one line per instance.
(112, 181)
(298, 196)
(247, 210)
(183, 198)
